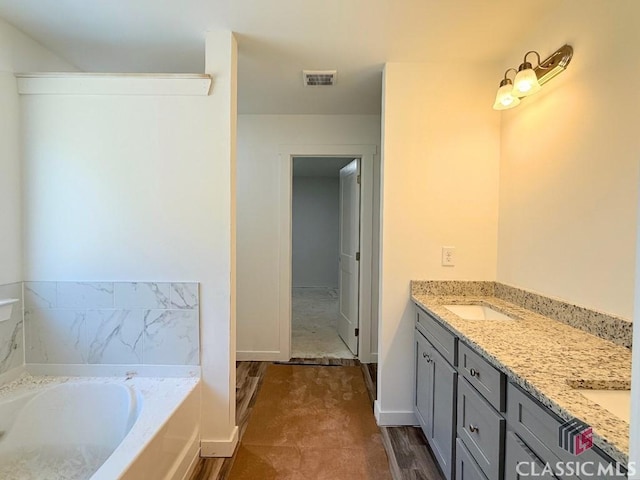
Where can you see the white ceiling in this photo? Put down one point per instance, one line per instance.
(278, 39)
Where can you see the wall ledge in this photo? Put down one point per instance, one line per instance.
(81, 83)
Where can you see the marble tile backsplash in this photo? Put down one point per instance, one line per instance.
(112, 323)
(11, 337)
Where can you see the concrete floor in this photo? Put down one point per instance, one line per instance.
(315, 324)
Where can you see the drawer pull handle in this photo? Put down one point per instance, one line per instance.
(474, 373)
(424, 355)
(473, 429)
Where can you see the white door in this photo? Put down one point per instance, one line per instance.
(349, 277)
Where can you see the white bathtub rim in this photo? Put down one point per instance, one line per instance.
(26, 393)
(121, 459)
(146, 425)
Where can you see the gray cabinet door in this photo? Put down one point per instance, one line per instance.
(423, 402)
(466, 467)
(436, 383)
(442, 434)
(521, 463)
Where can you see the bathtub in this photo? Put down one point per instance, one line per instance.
(101, 428)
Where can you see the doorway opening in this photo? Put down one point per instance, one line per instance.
(368, 215)
(325, 239)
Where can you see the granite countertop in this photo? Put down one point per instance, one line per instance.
(547, 358)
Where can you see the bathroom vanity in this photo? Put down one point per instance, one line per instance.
(496, 384)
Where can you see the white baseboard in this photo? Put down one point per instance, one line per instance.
(373, 357)
(393, 418)
(219, 448)
(259, 356)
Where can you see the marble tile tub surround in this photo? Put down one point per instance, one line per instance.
(11, 337)
(609, 327)
(546, 357)
(138, 323)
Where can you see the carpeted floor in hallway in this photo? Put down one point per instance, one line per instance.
(312, 423)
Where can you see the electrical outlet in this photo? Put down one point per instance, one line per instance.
(448, 256)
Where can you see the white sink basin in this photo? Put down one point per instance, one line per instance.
(617, 402)
(476, 312)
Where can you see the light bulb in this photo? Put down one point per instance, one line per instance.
(505, 98)
(526, 81)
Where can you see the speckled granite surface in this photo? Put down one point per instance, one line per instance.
(603, 325)
(452, 288)
(544, 356)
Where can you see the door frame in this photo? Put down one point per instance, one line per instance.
(366, 154)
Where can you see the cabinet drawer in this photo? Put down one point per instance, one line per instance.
(481, 429)
(489, 381)
(539, 428)
(466, 467)
(442, 339)
(520, 462)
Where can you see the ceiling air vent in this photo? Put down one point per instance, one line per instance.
(314, 78)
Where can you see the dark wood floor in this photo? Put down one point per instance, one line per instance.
(409, 455)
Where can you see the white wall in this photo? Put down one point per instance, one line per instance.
(141, 188)
(315, 231)
(570, 170)
(259, 235)
(634, 428)
(10, 201)
(440, 170)
(18, 53)
(569, 163)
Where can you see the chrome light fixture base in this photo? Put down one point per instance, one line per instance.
(554, 64)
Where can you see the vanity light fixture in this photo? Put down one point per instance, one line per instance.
(529, 79)
(505, 98)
